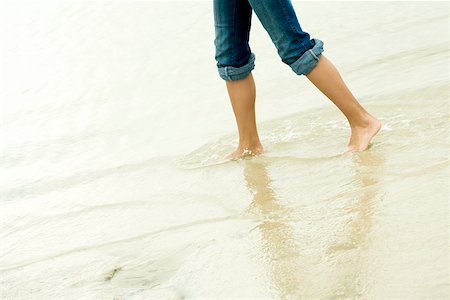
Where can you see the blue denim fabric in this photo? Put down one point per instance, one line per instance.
(232, 22)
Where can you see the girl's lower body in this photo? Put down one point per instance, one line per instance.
(235, 61)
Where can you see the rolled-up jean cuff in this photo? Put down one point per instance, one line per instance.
(236, 73)
(309, 59)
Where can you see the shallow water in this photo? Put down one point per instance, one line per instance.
(114, 120)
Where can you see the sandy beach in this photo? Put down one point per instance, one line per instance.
(114, 118)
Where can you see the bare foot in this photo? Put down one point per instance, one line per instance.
(362, 135)
(243, 152)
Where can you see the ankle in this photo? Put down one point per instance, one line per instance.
(250, 143)
(255, 147)
(364, 120)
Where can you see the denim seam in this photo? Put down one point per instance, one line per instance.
(249, 28)
(314, 55)
(234, 33)
(308, 60)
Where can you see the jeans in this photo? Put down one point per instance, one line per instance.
(232, 22)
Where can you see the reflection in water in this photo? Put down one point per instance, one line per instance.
(97, 105)
(350, 254)
(346, 254)
(280, 251)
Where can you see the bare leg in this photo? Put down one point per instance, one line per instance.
(242, 94)
(364, 126)
(327, 79)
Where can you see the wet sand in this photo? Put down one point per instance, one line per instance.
(113, 122)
